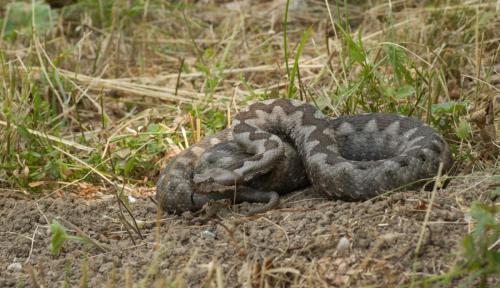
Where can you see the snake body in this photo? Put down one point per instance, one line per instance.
(352, 157)
(185, 184)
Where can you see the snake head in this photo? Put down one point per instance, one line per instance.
(216, 179)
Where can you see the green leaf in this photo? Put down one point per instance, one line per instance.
(487, 228)
(23, 131)
(58, 237)
(130, 165)
(20, 18)
(154, 128)
(497, 192)
(356, 50)
(496, 178)
(398, 60)
(463, 130)
(449, 107)
(404, 91)
(295, 70)
(468, 245)
(203, 69)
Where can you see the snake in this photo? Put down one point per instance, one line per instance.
(277, 146)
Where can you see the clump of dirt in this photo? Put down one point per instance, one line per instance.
(309, 241)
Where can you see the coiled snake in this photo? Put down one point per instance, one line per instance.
(277, 146)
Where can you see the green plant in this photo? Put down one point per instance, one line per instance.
(21, 17)
(480, 259)
(291, 93)
(135, 154)
(59, 236)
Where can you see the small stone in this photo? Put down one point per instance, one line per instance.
(15, 267)
(343, 244)
(208, 234)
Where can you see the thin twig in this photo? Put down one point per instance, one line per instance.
(231, 236)
(32, 245)
(134, 227)
(429, 207)
(54, 138)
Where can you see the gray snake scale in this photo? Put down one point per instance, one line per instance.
(277, 146)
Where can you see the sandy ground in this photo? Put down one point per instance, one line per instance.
(308, 242)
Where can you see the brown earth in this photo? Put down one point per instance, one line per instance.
(309, 241)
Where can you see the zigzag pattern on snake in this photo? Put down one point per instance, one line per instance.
(277, 146)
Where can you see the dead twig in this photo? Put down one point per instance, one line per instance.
(429, 208)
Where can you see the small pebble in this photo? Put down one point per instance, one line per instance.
(209, 234)
(343, 244)
(15, 267)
